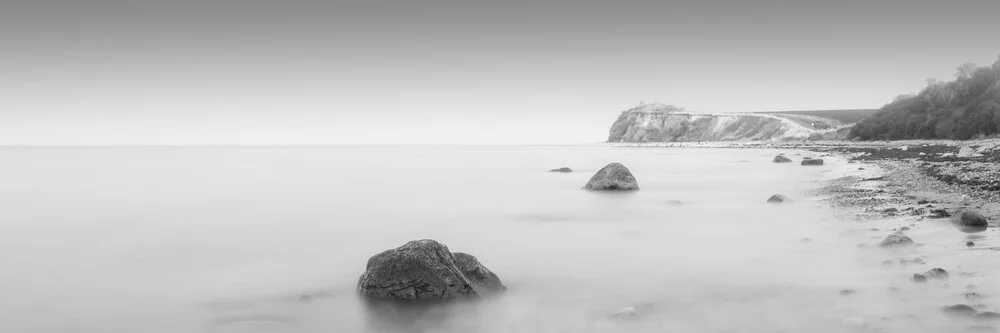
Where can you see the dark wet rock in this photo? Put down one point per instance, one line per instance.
(987, 316)
(781, 159)
(919, 278)
(969, 218)
(959, 310)
(970, 244)
(896, 239)
(778, 198)
(860, 169)
(939, 213)
(817, 161)
(613, 177)
(563, 169)
(674, 203)
(426, 270)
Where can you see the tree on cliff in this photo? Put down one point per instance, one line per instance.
(965, 108)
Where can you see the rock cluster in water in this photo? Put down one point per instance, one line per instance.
(613, 177)
(426, 270)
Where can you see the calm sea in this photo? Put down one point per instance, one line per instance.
(227, 239)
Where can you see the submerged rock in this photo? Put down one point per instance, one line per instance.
(781, 159)
(959, 310)
(936, 273)
(778, 198)
(815, 161)
(426, 270)
(563, 169)
(613, 177)
(896, 239)
(987, 316)
(674, 203)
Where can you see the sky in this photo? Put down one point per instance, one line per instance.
(453, 72)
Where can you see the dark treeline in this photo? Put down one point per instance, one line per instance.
(966, 108)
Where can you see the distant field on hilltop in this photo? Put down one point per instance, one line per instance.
(843, 116)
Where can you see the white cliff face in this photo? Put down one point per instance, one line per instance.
(658, 126)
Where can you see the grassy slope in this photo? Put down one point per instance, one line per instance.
(843, 116)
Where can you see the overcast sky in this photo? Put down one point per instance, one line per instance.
(453, 72)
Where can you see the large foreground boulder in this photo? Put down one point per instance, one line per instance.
(969, 219)
(814, 161)
(613, 177)
(781, 159)
(426, 270)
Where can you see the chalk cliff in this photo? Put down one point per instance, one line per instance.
(665, 123)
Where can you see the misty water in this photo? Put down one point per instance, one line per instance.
(228, 239)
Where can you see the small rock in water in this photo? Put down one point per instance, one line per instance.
(970, 244)
(674, 203)
(904, 229)
(848, 292)
(613, 177)
(887, 263)
(969, 219)
(917, 261)
(936, 273)
(781, 159)
(972, 296)
(626, 312)
(778, 198)
(816, 161)
(959, 310)
(896, 239)
(917, 278)
(805, 240)
(987, 316)
(981, 329)
(859, 169)
(563, 169)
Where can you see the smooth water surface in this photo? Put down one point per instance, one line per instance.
(227, 239)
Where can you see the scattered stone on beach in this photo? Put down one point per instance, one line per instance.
(781, 159)
(426, 270)
(959, 310)
(613, 177)
(896, 239)
(939, 213)
(969, 218)
(987, 316)
(778, 198)
(563, 169)
(815, 161)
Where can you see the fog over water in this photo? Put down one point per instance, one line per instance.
(227, 239)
